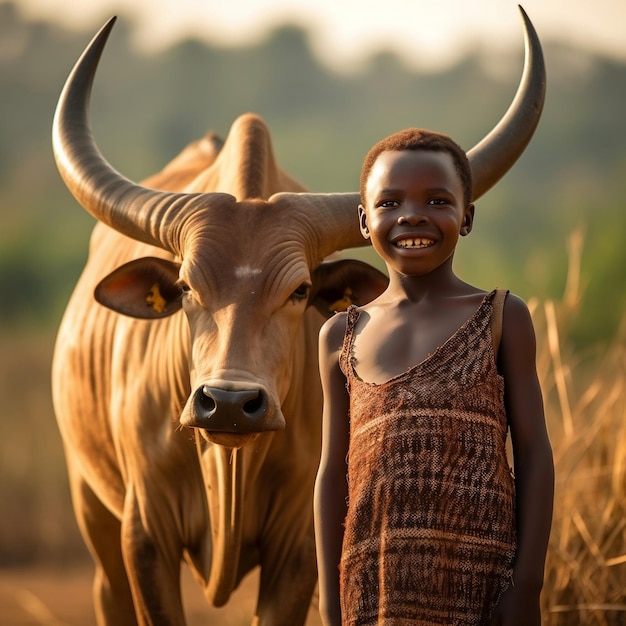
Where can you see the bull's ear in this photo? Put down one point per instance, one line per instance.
(339, 284)
(146, 288)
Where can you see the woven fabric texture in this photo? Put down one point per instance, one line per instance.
(430, 530)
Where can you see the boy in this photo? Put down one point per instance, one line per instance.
(419, 393)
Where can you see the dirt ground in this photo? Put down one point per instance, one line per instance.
(47, 596)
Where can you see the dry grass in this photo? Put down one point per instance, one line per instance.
(585, 397)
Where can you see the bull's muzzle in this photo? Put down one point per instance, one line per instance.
(225, 411)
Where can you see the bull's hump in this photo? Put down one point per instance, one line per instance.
(247, 165)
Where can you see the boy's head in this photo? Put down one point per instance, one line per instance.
(420, 139)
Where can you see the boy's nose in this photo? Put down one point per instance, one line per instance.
(412, 216)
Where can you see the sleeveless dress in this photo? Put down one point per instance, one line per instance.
(430, 528)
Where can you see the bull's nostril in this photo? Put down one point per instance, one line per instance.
(205, 399)
(254, 405)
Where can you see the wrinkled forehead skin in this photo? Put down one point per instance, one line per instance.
(231, 242)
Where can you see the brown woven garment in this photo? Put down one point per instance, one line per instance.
(430, 529)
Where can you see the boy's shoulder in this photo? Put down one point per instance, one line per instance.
(517, 318)
(333, 330)
(514, 303)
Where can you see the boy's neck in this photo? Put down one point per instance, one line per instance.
(442, 283)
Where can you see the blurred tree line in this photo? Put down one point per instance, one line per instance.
(146, 108)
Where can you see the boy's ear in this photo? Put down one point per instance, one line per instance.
(468, 220)
(365, 231)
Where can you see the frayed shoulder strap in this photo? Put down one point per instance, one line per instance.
(496, 318)
(352, 314)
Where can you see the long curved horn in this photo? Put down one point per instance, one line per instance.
(492, 158)
(332, 217)
(139, 212)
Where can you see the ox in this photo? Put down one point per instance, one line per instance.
(191, 422)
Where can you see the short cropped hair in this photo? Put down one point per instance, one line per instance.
(420, 139)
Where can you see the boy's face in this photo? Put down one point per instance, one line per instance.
(414, 210)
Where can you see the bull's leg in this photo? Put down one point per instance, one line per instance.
(113, 601)
(287, 584)
(152, 552)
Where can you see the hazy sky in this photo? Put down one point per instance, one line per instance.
(429, 33)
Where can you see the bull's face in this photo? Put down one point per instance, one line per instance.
(249, 272)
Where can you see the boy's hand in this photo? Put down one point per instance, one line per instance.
(517, 607)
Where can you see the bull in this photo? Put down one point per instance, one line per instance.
(185, 378)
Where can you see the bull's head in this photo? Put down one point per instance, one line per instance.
(250, 245)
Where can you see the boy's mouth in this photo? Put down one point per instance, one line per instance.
(414, 242)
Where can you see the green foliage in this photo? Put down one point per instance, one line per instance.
(147, 108)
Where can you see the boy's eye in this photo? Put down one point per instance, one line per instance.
(438, 201)
(388, 204)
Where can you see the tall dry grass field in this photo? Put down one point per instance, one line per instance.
(585, 399)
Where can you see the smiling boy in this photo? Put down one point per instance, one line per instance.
(421, 388)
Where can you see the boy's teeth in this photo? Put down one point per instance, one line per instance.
(414, 243)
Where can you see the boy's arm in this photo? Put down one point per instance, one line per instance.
(532, 453)
(331, 484)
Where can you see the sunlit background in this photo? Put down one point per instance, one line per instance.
(427, 34)
(330, 78)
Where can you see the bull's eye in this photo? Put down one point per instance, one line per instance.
(302, 292)
(184, 291)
